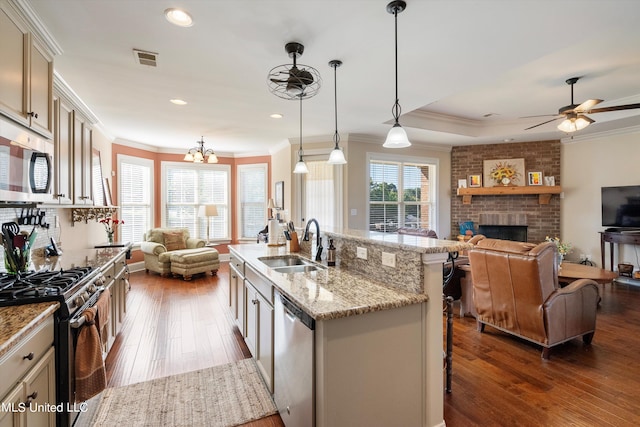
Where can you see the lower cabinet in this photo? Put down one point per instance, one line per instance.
(259, 333)
(29, 402)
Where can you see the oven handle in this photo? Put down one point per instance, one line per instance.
(78, 320)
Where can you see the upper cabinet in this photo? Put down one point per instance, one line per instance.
(26, 76)
(63, 138)
(82, 147)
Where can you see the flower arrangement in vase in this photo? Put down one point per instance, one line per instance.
(110, 225)
(564, 248)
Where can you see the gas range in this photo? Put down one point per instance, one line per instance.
(71, 287)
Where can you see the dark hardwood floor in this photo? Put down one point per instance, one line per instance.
(174, 326)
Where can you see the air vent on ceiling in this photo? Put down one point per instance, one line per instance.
(145, 58)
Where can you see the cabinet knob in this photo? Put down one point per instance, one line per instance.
(59, 195)
(28, 356)
(32, 114)
(254, 301)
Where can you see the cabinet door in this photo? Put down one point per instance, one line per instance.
(242, 306)
(41, 90)
(63, 138)
(87, 169)
(13, 418)
(264, 356)
(40, 388)
(233, 292)
(251, 336)
(81, 161)
(13, 68)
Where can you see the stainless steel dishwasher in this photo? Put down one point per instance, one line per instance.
(294, 382)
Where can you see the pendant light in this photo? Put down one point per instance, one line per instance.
(397, 137)
(301, 166)
(337, 156)
(199, 153)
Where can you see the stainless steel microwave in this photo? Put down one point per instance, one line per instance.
(26, 165)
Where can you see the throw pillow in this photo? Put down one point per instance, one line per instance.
(174, 241)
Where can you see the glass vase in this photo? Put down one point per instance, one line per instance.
(110, 236)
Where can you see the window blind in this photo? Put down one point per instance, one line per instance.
(135, 189)
(252, 194)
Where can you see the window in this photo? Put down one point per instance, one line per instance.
(135, 180)
(401, 194)
(186, 186)
(252, 199)
(322, 192)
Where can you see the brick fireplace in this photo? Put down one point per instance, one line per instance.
(523, 211)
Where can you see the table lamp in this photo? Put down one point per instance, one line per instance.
(207, 211)
(271, 206)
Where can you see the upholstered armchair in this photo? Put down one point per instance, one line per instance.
(516, 290)
(160, 243)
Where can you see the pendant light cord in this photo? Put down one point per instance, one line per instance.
(396, 110)
(336, 136)
(300, 151)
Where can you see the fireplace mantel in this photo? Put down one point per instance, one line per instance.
(544, 192)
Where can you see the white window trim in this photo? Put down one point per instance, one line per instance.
(238, 215)
(407, 159)
(141, 161)
(163, 189)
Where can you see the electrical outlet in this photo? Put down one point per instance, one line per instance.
(361, 253)
(389, 259)
(354, 212)
(56, 221)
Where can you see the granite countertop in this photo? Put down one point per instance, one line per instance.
(17, 321)
(328, 293)
(69, 259)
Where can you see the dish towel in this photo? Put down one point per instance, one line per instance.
(90, 373)
(103, 305)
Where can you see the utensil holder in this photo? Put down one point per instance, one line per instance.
(293, 245)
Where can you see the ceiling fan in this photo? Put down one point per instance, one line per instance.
(575, 115)
(289, 81)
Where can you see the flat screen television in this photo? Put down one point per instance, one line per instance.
(621, 206)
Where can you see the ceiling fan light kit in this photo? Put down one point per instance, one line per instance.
(397, 136)
(293, 81)
(337, 156)
(198, 154)
(574, 115)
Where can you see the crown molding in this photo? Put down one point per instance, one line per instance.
(603, 134)
(35, 24)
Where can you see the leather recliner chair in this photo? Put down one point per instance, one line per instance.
(516, 290)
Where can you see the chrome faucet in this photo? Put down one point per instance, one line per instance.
(318, 239)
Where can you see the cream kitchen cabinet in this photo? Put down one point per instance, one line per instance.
(260, 322)
(236, 291)
(116, 274)
(28, 380)
(26, 75)
(81, 155)
(63, 139)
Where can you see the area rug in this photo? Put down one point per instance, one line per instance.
(226, 395)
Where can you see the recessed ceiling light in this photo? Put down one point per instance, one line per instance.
(276, 116)
(178, 17)
(178, 101)
(508, 139)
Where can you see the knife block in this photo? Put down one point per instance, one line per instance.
(293, 245)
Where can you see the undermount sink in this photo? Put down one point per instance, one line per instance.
(290, 264)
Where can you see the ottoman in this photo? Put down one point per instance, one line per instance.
(187, 262)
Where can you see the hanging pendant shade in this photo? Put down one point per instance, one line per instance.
(397, 136)
(337, 156)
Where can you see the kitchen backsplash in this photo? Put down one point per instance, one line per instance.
(43, 234)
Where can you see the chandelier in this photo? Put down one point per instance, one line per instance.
(198, 154)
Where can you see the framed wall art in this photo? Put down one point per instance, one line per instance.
(501, 172)
(535, 178)
(279, 195)
(475, 181)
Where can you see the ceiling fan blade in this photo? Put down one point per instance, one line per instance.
(587, 105)
(543, 123)
(539, 115)
(279, 81)
(614, 108)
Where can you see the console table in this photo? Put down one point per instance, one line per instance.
(629, 238)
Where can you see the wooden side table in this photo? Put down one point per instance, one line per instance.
(629, 238)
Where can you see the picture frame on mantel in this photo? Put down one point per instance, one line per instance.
(475, 181)
(535, 178)
(504, 172)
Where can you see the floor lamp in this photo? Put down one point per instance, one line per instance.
(207, 211)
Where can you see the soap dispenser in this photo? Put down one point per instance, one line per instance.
(331, 254)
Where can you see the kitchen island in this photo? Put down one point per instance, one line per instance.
(378, 329)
